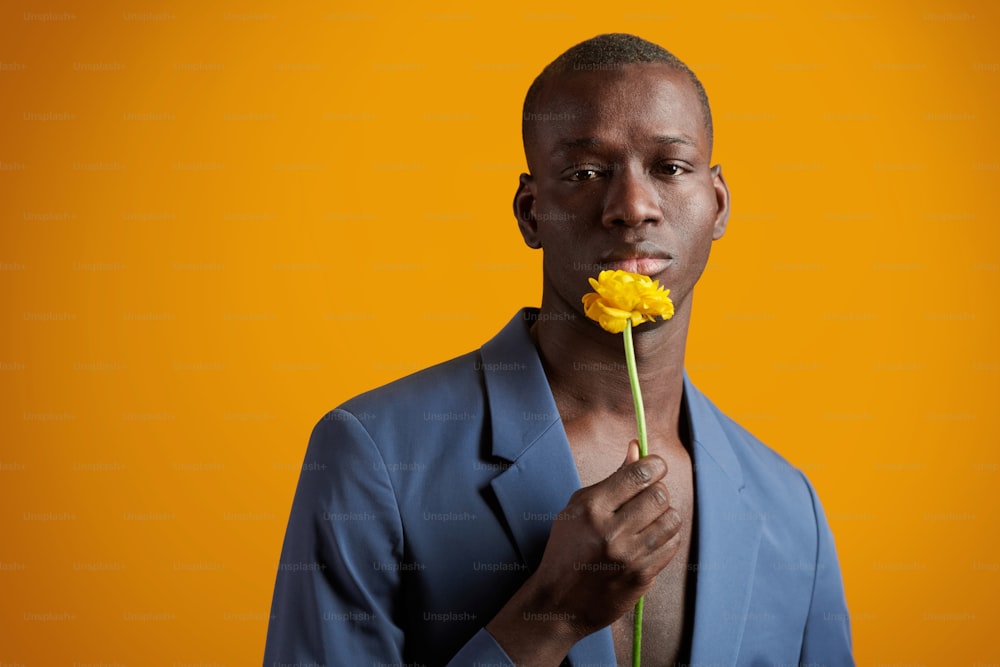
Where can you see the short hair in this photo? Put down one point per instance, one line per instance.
(605, 52)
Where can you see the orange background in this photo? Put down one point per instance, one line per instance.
(219, 220)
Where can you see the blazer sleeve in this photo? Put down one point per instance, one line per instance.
(827, 636)
(338, 594)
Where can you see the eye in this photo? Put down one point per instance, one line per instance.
(671, 169)
(584, 172)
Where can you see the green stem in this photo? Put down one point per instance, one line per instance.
(633, 378)
(640, 422)
(637, 634)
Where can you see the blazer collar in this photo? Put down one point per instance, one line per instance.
(527, 432)
(729, 532)
(708, 433)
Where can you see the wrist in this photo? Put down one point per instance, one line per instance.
(532, 631)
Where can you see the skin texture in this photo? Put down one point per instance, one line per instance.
(620, 178)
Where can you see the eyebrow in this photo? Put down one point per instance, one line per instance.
(682, 139)
(565, 145)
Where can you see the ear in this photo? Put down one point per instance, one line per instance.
(722, 201)
(524, 211)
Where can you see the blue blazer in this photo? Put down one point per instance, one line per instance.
(424, 504)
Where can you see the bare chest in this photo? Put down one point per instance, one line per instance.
(665, 609)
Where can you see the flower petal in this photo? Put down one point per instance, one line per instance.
(621, 296)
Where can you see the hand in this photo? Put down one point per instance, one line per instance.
(604, 552)
(609, 543)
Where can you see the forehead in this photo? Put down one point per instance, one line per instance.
(628, 103)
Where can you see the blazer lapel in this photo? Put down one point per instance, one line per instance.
(729, 532)
(528, 433)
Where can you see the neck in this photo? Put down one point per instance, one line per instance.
(586, 369)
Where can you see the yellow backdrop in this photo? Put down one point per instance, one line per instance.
(219, 220)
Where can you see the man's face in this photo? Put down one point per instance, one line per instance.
(620, 179)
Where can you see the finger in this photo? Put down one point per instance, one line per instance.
(608, 495)
(656, 545)
(629, 524)
(661, 531)
(630, 480)
(643, 510)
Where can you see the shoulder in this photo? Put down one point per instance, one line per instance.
(427, 406)
(764, 475)
(447, 382)
(771, 491)
(761, 463)
(450, 393)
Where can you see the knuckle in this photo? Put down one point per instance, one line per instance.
(616, 556)
(642, 579)
(660, 494)
(672, 521)
(588, 508)
(667, 527)
(656, 539)
(639, 474)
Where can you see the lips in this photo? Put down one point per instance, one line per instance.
(645, 260)
(647, 266)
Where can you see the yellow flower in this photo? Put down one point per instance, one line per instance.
(620, 296)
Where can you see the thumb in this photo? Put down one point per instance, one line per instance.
(632, 455)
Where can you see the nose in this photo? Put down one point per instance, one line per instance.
(631, 199)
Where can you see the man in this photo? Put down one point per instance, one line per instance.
(492, 510)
